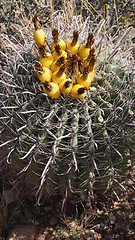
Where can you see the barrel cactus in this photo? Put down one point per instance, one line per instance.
(64, 145)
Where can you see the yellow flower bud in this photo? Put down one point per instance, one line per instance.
(73, 45)
(46, 61)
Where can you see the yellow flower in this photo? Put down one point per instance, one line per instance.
(43, 73)
(46, 61)
(84, 82)
(66, 85)
(59, 75)
(59, 53)
(57, 64)
(73, 45)
(52, 89)
(78, 91)
(85, 48)
(56, 41)
(39, 34)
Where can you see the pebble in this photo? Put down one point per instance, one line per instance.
(50, 237)
(9, 197)
(65, 234)
(131, 215)
(23, 232)
(53, 221)
(73, 224)
(91, 234)
(47, 209)
(112, 219)
(99, 212)
(41, 237)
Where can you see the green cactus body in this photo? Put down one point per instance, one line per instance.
(67, 146)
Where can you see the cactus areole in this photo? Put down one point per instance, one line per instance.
(67, 127)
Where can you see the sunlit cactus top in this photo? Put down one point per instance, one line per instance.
(65, 68)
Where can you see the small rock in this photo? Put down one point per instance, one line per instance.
(90, 234)
(47, 209)
(23, 232)
(131, 215)
(73, 224)
(99, 212)
(50, 237)
(41, 237)
(88, 231)
(9, 197)
(53, 221)
(50, 229)
(97, 227)
(112, 219)
(79, 228)
(116, 205)
(121, 227)
(66, 235)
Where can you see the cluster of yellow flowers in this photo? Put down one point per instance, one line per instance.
(68, 68)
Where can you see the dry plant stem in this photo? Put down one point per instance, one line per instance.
(116, 16)
(86, 3)
(69, 8)
(51, 3)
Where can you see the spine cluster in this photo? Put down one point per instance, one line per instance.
(68, 68)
